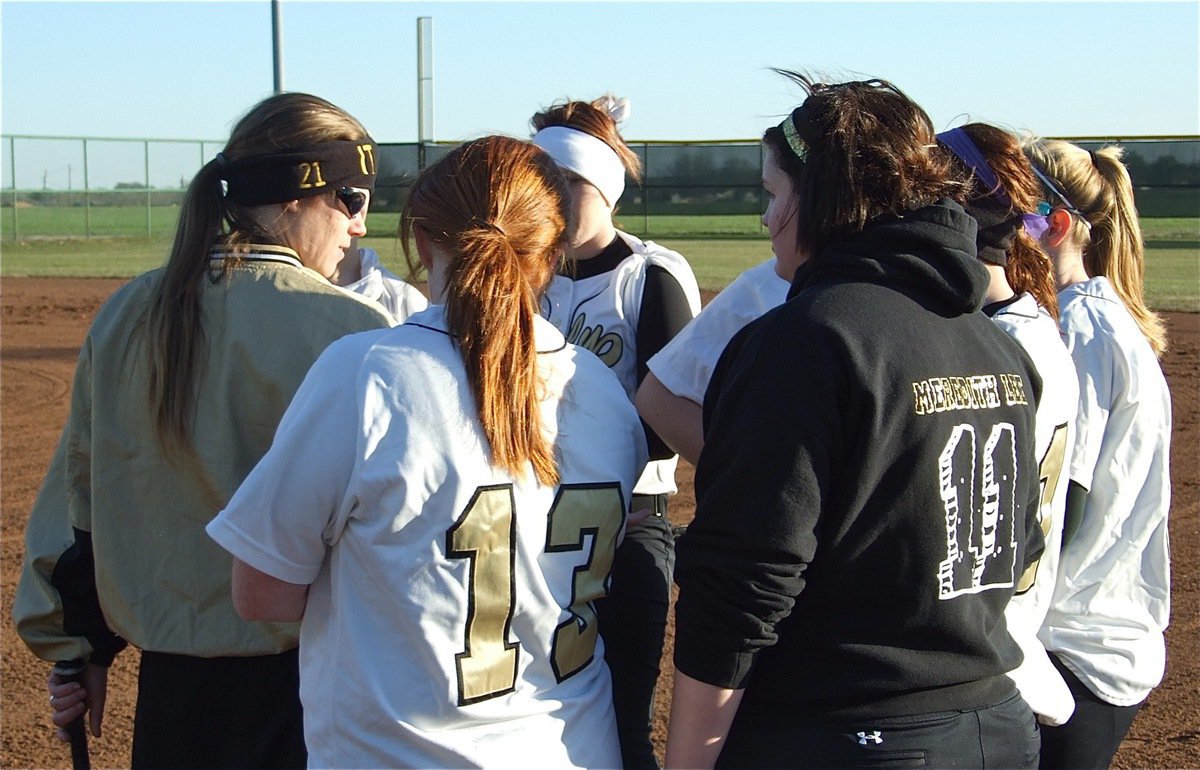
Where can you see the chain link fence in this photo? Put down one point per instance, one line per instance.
(81, 187)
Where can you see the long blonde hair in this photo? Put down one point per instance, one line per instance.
(499, 207)
(177, 344)
(1098, 184)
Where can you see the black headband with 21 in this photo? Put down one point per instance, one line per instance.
(287, 175)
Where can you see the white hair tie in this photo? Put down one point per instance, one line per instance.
(587, 156)
(617, 107)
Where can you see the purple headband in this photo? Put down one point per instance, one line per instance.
(959, 142)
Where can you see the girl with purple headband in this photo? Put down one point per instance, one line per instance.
(1003, 195)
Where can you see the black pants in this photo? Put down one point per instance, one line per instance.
(218, 712)
(1002, 736)
(1092, 735)
(633, 621)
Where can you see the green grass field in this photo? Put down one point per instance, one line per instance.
(36, 222)
(718, 247)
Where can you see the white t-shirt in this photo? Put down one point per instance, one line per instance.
(448, 621)
(1032, 327)
(685, 364)
(1112, 600)
(397, 296)
(601, 313)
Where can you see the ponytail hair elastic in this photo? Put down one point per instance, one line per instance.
(484, 224)
(616, 107)
(221, 164)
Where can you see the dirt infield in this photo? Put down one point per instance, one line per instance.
(43, 325)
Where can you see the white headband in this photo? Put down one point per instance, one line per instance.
(586, 156)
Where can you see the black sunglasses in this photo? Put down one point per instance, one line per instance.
(355, 199)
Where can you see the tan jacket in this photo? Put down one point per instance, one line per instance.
(163, 584)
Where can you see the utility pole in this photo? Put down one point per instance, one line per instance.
(424, 86)
(277, 44)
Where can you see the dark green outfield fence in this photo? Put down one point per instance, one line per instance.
(92, 187)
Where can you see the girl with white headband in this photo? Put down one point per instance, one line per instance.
(624, 299)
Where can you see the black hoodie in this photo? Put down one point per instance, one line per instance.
(868, 487)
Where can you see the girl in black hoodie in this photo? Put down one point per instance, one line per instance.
(867, 492)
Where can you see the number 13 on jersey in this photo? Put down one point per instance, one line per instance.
(583, 516)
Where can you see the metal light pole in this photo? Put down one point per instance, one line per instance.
(277, 44)
(424, 86)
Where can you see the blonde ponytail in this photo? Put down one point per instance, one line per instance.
(1098, 184)
(1116, 249)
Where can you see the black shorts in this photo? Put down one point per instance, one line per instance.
(219, 712)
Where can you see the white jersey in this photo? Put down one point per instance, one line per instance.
(397, 296)
(1032, 327)
(601, 312)
(685, 365)
(449, 619)
(1112, 600)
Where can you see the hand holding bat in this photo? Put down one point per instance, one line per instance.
(75, 689)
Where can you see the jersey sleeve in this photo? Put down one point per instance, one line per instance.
(295, 502)
(678, 268)
(685, 364)
(740, 565)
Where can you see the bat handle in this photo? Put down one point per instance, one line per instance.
(72, 671)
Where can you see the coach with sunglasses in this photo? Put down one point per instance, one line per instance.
(180, 385)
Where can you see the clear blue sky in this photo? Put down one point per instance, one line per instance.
(692, 70)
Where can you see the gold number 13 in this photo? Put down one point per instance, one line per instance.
(485, 534)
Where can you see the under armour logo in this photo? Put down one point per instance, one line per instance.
(871, 737)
